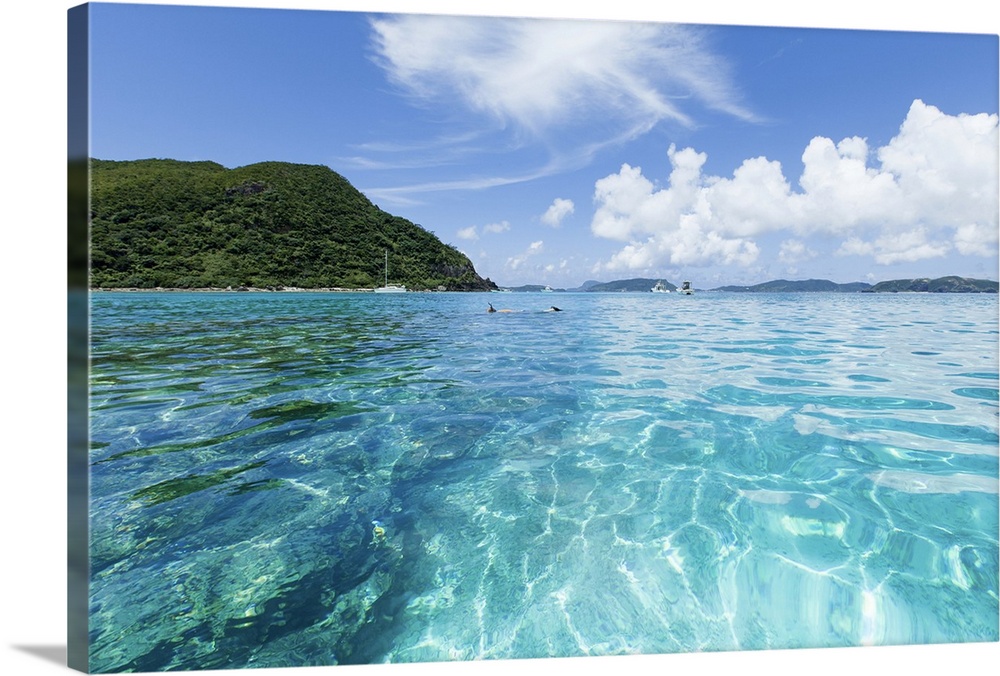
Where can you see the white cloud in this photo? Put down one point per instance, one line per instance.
(621, 198)
(946, 164)
(897, 247)
(755, 198)
(502, 226)
(539, 74)
(535, 248)
(472, 232)
(672, 225)
(975, 239)
(932, 189)
(841, 193)
(557, 211)
(795, 251)
(854, 246)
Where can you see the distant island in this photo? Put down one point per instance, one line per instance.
(951, 284)
(780, 285)
(530, 288)
(630, 285)
(162, 223)
(635, 285)
(939, 285)
(535, 288)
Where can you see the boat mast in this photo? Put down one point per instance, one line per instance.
(386, 267)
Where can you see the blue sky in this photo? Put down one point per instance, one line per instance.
(558, 151)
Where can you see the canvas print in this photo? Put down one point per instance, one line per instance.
(419, 338)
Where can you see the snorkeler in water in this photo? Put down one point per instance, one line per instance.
(490, 309)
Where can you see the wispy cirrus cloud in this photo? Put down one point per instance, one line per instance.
(550, 81)
(415, 153)
(400, 194)
(538, 73)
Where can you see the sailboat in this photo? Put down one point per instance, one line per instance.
(389, 288)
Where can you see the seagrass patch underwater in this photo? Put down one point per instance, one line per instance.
(285, 479)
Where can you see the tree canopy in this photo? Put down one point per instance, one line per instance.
(172, 224)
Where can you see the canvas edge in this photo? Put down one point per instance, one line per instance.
(78, 370)
(78, 189)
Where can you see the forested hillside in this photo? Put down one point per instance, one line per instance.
(172, 224)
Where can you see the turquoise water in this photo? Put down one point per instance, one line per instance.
(309, 479)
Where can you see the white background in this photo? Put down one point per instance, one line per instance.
(33, 330)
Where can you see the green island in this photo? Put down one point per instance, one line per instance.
(161, 223)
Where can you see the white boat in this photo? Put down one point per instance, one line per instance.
(660, 287)
(389, 288)
(686, 288)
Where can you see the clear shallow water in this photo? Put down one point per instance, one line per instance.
(309, 479)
